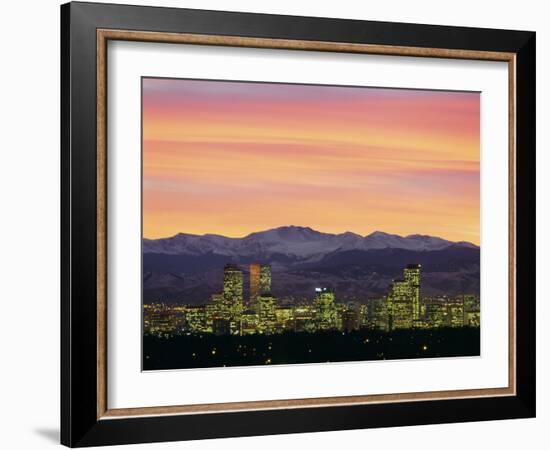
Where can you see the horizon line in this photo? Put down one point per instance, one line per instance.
(310, 228)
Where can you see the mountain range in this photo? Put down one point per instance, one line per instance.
(189, 267)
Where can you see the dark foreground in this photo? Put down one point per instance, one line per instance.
(207, 350)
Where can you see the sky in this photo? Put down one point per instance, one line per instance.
(232, 158)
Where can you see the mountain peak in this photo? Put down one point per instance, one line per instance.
(292, 241)
(380, 234)
(297, 228)
(349, 234)
(286, 232)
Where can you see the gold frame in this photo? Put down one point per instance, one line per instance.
(103, 36)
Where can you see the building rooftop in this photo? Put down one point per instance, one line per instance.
(323, 289)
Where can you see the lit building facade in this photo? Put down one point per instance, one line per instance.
(404, 305)
(260, 283)
(325, 309)
(445, 312)
(163, 319)
(411, 275)
(364, 316)
(377, 314)
(305, 318)
(233, 295)
(455, 313)
(436, 314)
(195, 318)
(217, 309)
(471, 311)
(266, 314)
(400, 305)
(284, 319)
(249, 322)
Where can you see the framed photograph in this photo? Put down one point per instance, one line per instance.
(276, 224)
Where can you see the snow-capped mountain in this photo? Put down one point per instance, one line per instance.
(189, 267)
(302, 243)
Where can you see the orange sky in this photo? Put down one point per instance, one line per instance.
(232, 158)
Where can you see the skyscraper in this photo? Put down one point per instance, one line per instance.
(260, 283)
(325, 316)
(233, 294)
(266, 315)
(404, 299)
(411, 274)
(218, 314)
(400, 305)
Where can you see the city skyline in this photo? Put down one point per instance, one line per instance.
(402, 161)
(230, 313)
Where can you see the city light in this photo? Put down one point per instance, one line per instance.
(227, 312)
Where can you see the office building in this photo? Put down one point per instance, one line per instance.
(325, 317)
(233, 295)
(260, 283)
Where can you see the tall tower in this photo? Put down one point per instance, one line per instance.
(400, 305)
(254, 283)
(260, 282)
(266, 314)
(265, 279)
(411, 274)
(325, 309)
(404, 299)
(233, 292)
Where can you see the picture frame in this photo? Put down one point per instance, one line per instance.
(86, 29)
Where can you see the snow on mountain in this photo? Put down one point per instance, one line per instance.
(292, 241)
(416, 242)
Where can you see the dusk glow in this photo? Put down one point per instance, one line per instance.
(233, 158)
